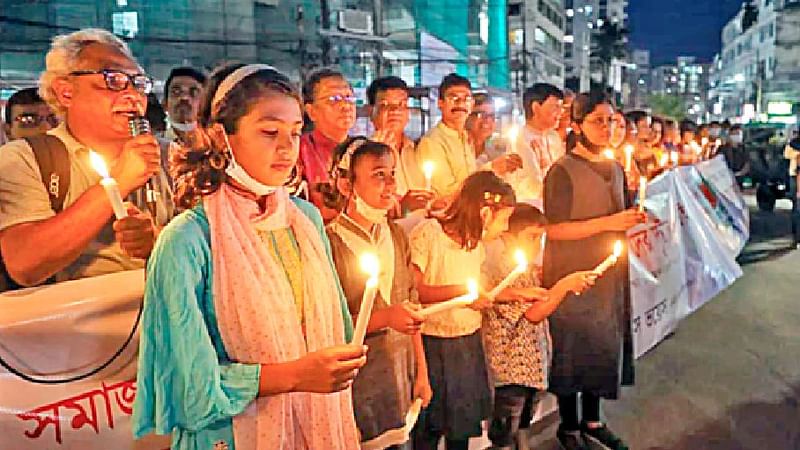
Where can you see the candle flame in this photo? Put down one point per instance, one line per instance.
(427, 168)
(520, 259)
(370, 265)
(664, 159)
(98, 164)
(628, 150)
(608, 153)
(617, 249)
(673, 156)
(719, 142)
(472, 288)
(704, 141)
(512, 132)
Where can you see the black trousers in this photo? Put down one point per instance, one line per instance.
(513, 409)
(568, 410)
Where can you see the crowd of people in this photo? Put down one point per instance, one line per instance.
(252, 251)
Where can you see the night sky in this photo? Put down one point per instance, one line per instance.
(672, 28)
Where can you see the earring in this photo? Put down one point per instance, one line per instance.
(217, 160)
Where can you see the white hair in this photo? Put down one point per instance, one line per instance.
(64, 54)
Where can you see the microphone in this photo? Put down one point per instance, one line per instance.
(139, 125)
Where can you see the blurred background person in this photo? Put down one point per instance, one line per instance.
(27, 115)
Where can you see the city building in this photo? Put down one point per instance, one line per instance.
(584, 17)
(639, 79)
(756, 76)
(419, 40)
(536, 47)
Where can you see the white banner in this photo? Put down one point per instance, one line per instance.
(63, 330)
(687, 255)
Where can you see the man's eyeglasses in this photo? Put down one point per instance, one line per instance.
(484, 115)
(339, 100)
(393, 106)
(453, 99)
(31, 120)
(117, 80)
(177, 91)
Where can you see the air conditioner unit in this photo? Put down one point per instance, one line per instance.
(355, 21)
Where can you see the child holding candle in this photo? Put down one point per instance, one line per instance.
(363, 173)
(245, 328)
(446, 251)
(516, 334)
(588, 211)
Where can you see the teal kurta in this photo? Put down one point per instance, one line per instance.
(186, 384)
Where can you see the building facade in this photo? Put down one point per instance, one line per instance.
(756, 76)
(536, 42)
(418, 40)
(584, 17)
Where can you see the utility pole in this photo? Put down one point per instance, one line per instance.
(377, 26)
(325, 12)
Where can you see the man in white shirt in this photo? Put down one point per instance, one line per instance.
(539, 145)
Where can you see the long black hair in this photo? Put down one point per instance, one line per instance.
(582, 106)
(463, 217)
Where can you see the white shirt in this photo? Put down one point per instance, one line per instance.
(538, 151)
(442, 262)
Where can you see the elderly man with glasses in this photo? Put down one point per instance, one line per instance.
(56, 220)
(331, 105)
(28, 115)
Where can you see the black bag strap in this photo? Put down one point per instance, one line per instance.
(53, 160)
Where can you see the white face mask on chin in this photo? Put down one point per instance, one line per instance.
(184, 127)
(374, 215)
(238, 174)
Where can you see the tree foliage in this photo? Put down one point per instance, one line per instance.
(668, 105)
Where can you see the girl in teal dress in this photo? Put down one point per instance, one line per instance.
(241, 347)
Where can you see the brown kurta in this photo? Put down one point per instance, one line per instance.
(592, 341)
(383, 389)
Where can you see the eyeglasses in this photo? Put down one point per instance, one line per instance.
(339, 100)
(459, 99)
(484, 115)
(177, 91)
(393, 106)
(31, 120)
(600, 121)
(117, 80)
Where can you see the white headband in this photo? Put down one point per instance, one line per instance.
(234, 78)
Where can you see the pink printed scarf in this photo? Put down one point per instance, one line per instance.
(258, 321)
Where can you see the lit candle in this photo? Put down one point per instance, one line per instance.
(611, 260)
(457, 302)
(109, 184)
(428, 168)
(512, 132)
(608, 154)
(371, 266)
(642, 192)
(696, 147)
(628, 157)
(704, 141)
(664, 159)
(522, 266)
(674, 157)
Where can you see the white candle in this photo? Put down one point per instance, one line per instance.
(428, 167)
(522, 266)
(642, 192)
(664, 160)
(457, 302)
(628, 157)
(370, 265)
(512, 132)
(611, 260)
(110, 185)
(609, 154)
(674, 157)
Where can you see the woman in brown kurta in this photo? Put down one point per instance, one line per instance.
(396, 372)
(584, 201)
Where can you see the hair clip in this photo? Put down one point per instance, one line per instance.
(493, 198)
(344, 162)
